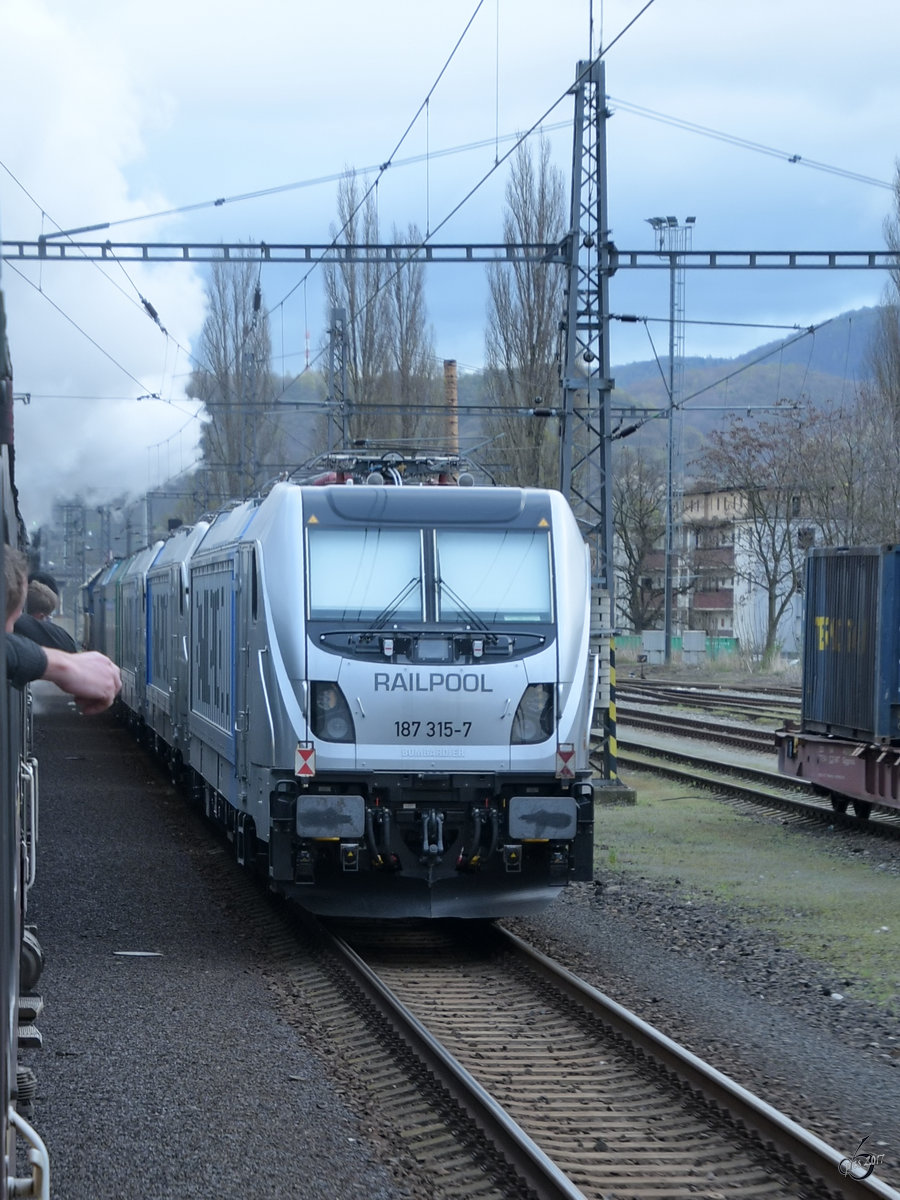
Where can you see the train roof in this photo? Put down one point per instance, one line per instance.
(429, 505)
(140, 561)
(179, 544)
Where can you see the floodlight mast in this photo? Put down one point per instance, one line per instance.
(673, 239)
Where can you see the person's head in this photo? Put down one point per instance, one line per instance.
(15, 571)
(46, 579)
(40, 601)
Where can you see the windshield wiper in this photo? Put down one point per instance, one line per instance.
(470, 616)
(386, 613)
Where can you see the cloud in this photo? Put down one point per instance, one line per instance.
(83, 345)
(115, 109)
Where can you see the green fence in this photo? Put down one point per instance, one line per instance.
(630, 645)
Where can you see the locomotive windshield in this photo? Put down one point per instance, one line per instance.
(497, 575)
(451, 576)
(365, 574)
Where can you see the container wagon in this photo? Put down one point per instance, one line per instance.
(848, 742)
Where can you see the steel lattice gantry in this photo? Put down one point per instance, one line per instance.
(584, 427)
(589, 258)
(585, 382)
(47, 251)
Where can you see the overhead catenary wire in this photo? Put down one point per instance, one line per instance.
(746, 144)
(649, 113)
(431, 154)
(633, 319)
(383, 167)
(625, 105)
(140, 302)
(388, 162)
(487, 175)
(145, 304)
(811, 330)
(465, 199)
(77, 327)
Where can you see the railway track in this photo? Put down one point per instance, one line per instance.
(773, 704)
(633, 1115)
(511, 1077)
(755, 785)
(748, 688)
(692, 756)
(488, 1072)
(722, 733)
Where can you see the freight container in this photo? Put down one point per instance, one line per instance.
(851, 643)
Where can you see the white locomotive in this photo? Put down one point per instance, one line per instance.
(383, 693)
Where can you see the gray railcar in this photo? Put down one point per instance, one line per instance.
(131, 630)
(168, 619)
(21, 958)
(390, 693)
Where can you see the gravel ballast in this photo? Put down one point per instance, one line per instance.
(670, 933)
(168, 1071)
(165, 1070)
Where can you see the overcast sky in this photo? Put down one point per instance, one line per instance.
(115, 109)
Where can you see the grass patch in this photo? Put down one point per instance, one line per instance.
(804, 889)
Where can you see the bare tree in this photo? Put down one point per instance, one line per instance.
(639, 523)
(839, 487)
(761, 460)
(524, 310)
(876, 429)
(878, 402)
(411, 346)
(240, 440)
(391, 373)
(359, 289)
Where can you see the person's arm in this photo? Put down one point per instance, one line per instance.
(92, 678)
(45, 633)
(25, 660)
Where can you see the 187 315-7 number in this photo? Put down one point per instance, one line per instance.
(432, 729)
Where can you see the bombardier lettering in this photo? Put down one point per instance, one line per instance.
(429, 681)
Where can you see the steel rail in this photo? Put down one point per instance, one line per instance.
(830, 1173)
(524, 1156)
(704, 698)
(761, 741)
(770, 787)
(771, 1126)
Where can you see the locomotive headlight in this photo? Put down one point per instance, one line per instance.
(533, 721)
(330, 717)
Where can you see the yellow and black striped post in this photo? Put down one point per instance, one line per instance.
(608, 787)
(612, 749)
(603, 723)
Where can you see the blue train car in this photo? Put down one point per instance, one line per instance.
(851, 647)
(130, 583)
(95, 604)
(849, 738)
(168, 620)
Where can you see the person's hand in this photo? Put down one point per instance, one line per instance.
(92, 678)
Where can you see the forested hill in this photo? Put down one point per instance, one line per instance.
(826, 365)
